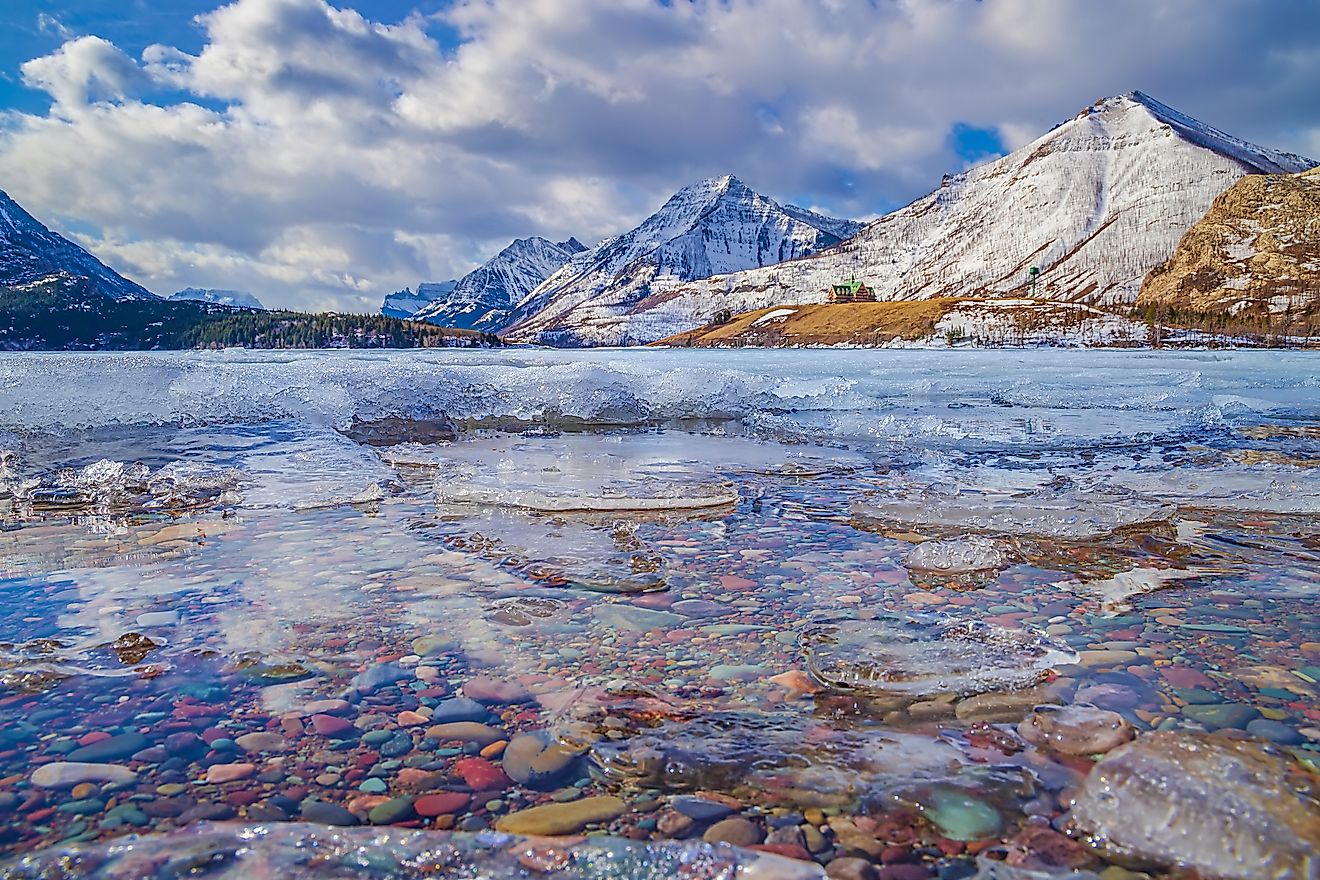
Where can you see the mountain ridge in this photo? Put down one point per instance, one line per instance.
(1095, 203)
(485, 299)
(33, 254)
(717, 224)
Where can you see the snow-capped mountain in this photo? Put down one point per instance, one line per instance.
(715, 226)
(485, 298)
(30, 254)
(236, 298)
(1095, 204)
(404, 303)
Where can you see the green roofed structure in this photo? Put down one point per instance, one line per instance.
(851, 291)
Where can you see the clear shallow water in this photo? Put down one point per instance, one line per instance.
(803, 581)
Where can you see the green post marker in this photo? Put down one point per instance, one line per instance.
(1034, 272)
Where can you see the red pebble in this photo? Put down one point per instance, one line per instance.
(482, 775)
(242, 798)
(787, 850)
(94, 737)
(329, 725)
(431, 805)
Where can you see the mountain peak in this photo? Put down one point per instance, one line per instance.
(714, 226)
(484, 298)
(1255, 159)
(30, 253)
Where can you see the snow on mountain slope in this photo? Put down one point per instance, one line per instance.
(404, 303)
(30, 253)
(238, 298)
(485, 298)
(715, 226)
(1095, 203)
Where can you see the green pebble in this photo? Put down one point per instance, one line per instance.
(83, 807)
(495, 806)
(1197, 696)
(963, 817)
(170, 789)
(375, 737)
(373, 786)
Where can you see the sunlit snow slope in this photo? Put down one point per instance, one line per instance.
(714, 226)
(1095, 204)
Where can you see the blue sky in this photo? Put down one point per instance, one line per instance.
(322, 154)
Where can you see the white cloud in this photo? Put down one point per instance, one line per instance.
(83, 69)
(319, 158)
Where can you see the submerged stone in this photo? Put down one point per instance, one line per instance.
(1076, 730)
(553, 819)
(922, 656)
(1226, 808)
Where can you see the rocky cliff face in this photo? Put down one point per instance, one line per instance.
(1095, 204)
(718, 225)
(1256, 253)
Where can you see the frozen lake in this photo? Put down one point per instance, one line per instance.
(816, 600)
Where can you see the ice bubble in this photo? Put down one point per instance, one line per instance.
(957, 556)
(302, 851)
(920, 656)
(790, 756)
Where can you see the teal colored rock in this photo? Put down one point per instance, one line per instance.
(963, 817)
(127, 814)
(394, 810)
(1216, 628)
(1197, 696)
(1235, 715)
(376, 737)
(373, 786)
(83, 807)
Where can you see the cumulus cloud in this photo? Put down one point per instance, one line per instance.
(320, 158)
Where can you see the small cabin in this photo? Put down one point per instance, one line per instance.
(850, 291)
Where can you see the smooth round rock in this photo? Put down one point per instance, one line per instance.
(66, 774)
(326, 814)
(549, 820)
(465, 732)
(262, 742)
(124, 745)
(441, 804)
(495, 692)
(735, 831)
(1076, 730)
(535, 758)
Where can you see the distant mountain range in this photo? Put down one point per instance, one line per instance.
(1094, 205)
(487, 298)
(237, 298)
(1128, 204)
(404, 303)
(55, 295)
